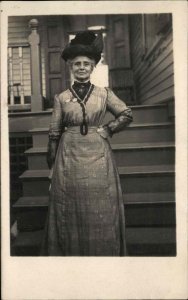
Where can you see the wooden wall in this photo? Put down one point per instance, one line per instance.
(153, 71)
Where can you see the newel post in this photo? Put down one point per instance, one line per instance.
(36, 82)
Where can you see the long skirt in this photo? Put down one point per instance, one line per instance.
(86, 211)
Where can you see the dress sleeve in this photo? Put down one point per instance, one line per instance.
(55, 129)
(54, 132)
(122, 113)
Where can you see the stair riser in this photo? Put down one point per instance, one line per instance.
(146, 157)
(144, 134)
(136, 157)
(25, 123)
(148, 184)
(135, 215)
(148, 247)
(130, 135)
(36, 188)
(130, 184)
(37, 162)
(40, 139)
(150, 114)
(28, 220)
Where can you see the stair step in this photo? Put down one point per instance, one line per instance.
(146, 170)
(159, 210)
(150, 113)
(147, 133)
(125, 154)
(133, 146)
(145, 154)
(27, 243)
(140, 241)
(146, 113)
(148, 198)
(35, 174)
(129, 199)
(141, 114)
(134, 179)
(31, 202)
(123, 171)
(135, 133)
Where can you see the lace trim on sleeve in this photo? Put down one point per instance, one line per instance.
(123, 119)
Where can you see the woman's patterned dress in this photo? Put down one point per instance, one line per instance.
(86, 211)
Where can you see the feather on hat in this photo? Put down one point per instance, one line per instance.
(85, 43)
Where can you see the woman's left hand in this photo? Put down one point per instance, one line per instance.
(104, 131)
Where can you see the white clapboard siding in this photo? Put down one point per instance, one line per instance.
(154, 75)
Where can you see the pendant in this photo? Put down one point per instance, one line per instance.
(84, 128)
(74, 100)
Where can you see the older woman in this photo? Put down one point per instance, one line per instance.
(86, 212)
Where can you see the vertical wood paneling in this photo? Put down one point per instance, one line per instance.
(54, 39)
(153, 74)
(119, 59)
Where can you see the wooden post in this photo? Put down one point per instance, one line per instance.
(21, 75)
(36, 82)
(11, 76)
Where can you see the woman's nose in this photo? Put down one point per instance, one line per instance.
(82, 66)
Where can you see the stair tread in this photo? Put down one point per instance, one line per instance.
(146, 145)
(138, 235)
(36, 150)
(154, 124)
(146, 169)
(41, 201)
(35, 174)
(129, 198)
(151, 145)
(153, 169)
(132, 125)
(140, 106)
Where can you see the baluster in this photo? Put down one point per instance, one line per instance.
(21, 75)
(11, 76)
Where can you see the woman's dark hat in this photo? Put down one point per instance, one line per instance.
(85, 43)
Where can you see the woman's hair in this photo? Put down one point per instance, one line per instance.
(70, 61)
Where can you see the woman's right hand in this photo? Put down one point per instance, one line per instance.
(51, 152)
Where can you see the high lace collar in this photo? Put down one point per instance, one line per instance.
(78, 84)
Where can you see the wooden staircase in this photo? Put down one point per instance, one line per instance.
(145, 155)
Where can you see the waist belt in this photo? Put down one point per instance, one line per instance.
(76, 129)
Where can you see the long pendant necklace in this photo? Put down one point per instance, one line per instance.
(84, 125)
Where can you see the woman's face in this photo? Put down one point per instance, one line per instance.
(82, 67)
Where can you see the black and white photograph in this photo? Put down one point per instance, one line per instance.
(112, 180)
(93, 140)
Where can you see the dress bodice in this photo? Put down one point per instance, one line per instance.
(72, 112)
(67, 111)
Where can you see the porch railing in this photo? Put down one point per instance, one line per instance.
(19, 97)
